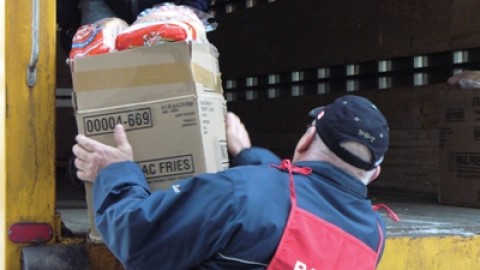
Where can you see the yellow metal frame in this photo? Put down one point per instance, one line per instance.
(27, 122)
(2, 133)
(429, 253)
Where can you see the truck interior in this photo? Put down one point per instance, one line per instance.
(281, 58)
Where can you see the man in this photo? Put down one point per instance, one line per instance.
(311, 213)
(127, 10)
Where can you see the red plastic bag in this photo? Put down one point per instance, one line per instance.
(96, 38)
(162, 23)
(149, 35)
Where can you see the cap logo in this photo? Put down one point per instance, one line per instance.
(366, 135)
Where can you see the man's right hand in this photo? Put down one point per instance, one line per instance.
(237, 136)
(92, 156)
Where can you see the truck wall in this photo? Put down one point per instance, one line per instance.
(284, 36)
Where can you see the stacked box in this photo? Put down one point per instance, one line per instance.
(169, 99)
(460, 148)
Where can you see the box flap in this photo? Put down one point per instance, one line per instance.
(162, 54)
(146, 73)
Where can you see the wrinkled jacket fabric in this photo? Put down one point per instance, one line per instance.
(129, 9)
(233, 219)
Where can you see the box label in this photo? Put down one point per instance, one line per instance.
(453, 115)
(168, 166)
(461, 106)
(175, 107)
(105, 123)
(468, 165)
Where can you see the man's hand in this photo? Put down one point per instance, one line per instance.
(465, 80)
(92, 156)
(237, 136)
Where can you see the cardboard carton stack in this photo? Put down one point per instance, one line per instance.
(170, 100)
(460, 148)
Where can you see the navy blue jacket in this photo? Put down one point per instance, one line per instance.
(129, 9)
(233, 219)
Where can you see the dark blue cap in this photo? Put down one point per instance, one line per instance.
(353, 118)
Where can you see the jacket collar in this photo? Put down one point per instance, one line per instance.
(330, 173)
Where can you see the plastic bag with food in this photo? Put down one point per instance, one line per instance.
(162, 23)
(96, 38)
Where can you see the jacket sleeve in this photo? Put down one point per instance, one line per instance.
(255, 156)
(94, 10)
(139, 5)
(201, 5)
(177, 228)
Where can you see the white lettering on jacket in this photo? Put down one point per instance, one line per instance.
(301, 266)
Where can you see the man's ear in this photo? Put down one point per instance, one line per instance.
(306, 139)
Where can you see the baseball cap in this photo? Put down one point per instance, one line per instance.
(353, 118)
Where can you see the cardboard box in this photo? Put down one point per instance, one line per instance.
(459, 155)
(169, 99)
(460, 106)
(172, 138)
(460, 164)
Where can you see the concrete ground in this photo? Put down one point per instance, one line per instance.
(424, 216)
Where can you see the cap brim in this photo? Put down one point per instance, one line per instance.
(315, 112)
